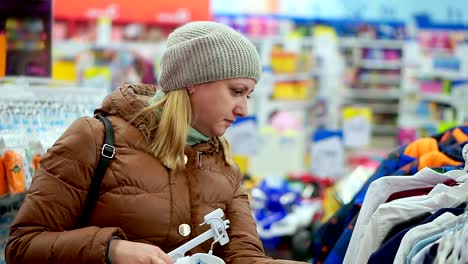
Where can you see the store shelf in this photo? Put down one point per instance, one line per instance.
(292, 97)
(356, 93)
(377, 85)
(371, 43)
(384, 130)
(384, 109)
(73, 48)
(428, 82)
(284, 77)
(437, 51)
(378, 108)
(306, 41)
(380, 79)
(380, 64)
(420, 123)
(438, 98)
(290, 104)
(446, 75)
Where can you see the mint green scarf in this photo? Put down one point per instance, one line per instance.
(194, 136)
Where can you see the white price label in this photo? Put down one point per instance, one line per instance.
(328, 157)
(357, 131)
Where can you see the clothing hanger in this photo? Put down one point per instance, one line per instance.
(465, 157)
(459, 254)
(460, 175)
(460, 236)
(445, 247)
(452, 245)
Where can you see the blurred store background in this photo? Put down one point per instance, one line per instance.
(345, 84)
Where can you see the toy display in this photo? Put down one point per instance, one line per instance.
(283, 218)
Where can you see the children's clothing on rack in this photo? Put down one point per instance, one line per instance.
(392, 219)
(33, 114)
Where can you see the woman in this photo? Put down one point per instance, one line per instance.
(172, 166)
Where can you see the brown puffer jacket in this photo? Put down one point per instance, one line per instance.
(140, 199)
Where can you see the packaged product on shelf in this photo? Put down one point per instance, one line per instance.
(36, 151)
(14, 166)
(3, 178)
(17, 161)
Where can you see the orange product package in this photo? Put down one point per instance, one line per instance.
(3, 179)
(14, 167)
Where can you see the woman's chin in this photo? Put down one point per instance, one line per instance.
(219, 132)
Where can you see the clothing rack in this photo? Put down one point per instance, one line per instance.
(31, 88)
(457, 239)
(407, 192)
(42, 101)
(33, 114)
(35, 111)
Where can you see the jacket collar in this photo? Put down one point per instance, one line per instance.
(210, 146)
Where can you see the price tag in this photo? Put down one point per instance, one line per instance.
(97, 76)
(328, 157)
(104, 31)
(357, 126)
(243, 138)
(459, 98)
(411, 53)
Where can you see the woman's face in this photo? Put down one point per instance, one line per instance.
(216, 105)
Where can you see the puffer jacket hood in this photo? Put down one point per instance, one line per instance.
(126, 101)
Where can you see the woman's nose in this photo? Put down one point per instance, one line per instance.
(241, 109)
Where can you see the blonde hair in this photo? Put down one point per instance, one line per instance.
(168, 123)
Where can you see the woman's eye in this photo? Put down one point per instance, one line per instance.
(237, 92)
(240, 93)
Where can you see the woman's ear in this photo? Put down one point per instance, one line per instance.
(190, 90)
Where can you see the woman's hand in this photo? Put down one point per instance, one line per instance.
(126, 252)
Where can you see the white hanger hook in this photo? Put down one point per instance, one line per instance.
(465, 157)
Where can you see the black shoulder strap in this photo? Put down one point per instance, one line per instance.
(107, 153)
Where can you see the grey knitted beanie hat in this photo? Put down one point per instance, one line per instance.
(202, 51)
